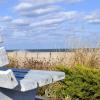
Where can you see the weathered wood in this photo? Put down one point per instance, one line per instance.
(42, 78)
(3, 57)
(32, 79)
(38, 78)
(7, 79)
(55, 75)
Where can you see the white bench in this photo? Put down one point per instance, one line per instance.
(21, 84)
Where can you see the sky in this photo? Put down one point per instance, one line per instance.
(50, 24)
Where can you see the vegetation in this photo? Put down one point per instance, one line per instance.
(82, 81)
(87, 57)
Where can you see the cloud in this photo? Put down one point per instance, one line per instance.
(56, 18)
(93, 18)
(23, 6)
(45, 9)
(39, 11)
(20, 22)
(47, 13)
(19, 34)
(5, 19)
(47, 22)
(31, 27)
(32, 7)
(38, 2)
(40, 19)
(26, 6)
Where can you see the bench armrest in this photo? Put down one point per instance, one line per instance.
(7, 79)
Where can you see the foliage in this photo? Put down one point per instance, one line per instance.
(80, 83)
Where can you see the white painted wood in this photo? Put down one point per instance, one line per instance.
(37, 78)
(34, 80)
(41, 78)
(3, 57)
(7, 79)
(55, 75)
(27, 84)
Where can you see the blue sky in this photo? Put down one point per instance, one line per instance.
(48, 24)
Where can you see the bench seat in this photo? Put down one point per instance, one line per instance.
(22, 84)
(25, 80)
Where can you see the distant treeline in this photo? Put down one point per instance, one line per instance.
(53, 50)
(43, 50)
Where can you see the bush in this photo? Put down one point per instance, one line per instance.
(81, 83)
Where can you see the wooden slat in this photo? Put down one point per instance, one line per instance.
(27, 84)
(19, 73)
(31, 79)
(38, 78)
(7, 79)
(56, 75)
(3, 57)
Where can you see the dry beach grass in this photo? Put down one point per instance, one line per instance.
(89, 58)
(43, 60)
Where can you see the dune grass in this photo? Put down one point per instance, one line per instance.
(82, 80)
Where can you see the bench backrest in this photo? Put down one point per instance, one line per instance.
(3, 55)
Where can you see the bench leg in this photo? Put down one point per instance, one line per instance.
(6, 94)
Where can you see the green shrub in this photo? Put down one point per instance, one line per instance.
(80, 83)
